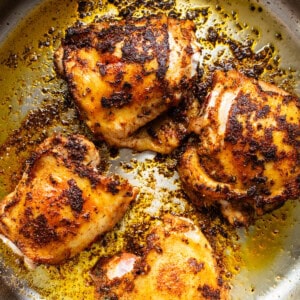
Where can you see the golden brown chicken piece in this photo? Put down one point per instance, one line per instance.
(248, 157)
(124, 74)
(166, 132)
(177, 263)
(62, 204)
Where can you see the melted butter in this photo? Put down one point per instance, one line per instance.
(27, 61)
(266, 240)
(27, 81)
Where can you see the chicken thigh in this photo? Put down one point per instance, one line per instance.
(62, 204)
(124, 74)
(177, 263)
(248, 157)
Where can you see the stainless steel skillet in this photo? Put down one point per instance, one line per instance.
(282, 279)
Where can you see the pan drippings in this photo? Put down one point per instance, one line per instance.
(35, 103)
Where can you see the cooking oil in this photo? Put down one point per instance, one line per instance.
(35, 103)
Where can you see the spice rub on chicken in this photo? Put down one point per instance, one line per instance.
(124, 74)
(177, 262)
(62, 203)
(248, 156)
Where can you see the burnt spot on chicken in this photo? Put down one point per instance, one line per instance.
(114, 187)
(102, 69)
(234, 130)
(263, 112)
(209, 293)
(38, 229)
(14, 201)
(195, 265)
(79, 39)
(90, 174)
(155, 44)
(117, 100)
(76, 150)
(74, 196)
(292, 129)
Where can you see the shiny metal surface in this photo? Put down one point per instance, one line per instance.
(282, 280)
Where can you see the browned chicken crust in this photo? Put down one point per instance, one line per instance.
(62, 203)
(177, 263)
(124, 74)
(248, 157)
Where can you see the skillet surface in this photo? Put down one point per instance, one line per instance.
(280, 277)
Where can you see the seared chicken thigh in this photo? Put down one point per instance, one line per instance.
(248, 157)
(62, 204)
(177, 263)
(123, 74)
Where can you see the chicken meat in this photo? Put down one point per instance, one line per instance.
(247, 158)
(62, 203)
(176, 263)
(124, 74)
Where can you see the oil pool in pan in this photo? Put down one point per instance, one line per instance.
(34, 103)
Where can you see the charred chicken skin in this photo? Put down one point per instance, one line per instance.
(177, 263)
(248, 157)
(124, 74)
(62, 203)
